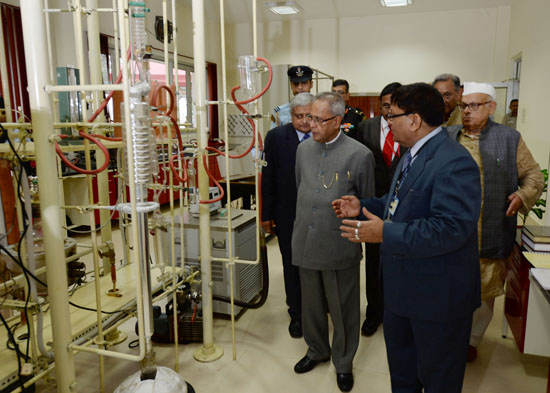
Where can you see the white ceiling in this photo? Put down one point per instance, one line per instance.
(240, 11)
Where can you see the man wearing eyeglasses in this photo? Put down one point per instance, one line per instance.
(449, 87)
(300, 78)
(511, 181)
(426, 225)
(352, 116)
(376, 134)
(279, 196)
(327, 166)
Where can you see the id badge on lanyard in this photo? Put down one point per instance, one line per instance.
(393, 206)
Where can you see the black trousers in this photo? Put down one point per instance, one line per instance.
(373, 283)
(426, 356)
(291, 275)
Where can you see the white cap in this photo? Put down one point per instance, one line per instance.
(474, 87)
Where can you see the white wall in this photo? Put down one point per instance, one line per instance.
(372, 51)
(529, 36)
(476, 44)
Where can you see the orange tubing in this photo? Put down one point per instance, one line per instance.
(240, 104)
(106, 138)
(264, 89)
(172, 98)
(175, 172)
(222, 194)
(109, 96)
(80, 170)
(93, 138)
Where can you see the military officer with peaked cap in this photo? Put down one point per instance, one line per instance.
(300, 81)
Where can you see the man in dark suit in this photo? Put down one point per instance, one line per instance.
(427, 225)
(279, 196)
(376, 134)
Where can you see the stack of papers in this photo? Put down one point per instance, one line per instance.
(542, 276)
(536, 238)
(538, 259)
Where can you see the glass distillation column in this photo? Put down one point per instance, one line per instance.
(143, 157)
(144, 160)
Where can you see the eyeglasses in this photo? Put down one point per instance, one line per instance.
(391, 117)
(318, 120)
(474, 106)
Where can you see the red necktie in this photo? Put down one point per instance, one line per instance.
(387, 152)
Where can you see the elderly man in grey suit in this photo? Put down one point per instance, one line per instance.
(328, 166)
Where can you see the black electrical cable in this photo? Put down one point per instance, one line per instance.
(25, 270)
(130, 311)
(133, 344)
(46, 285)
(17, 351)
(25, 228)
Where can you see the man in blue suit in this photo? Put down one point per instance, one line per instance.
(279, 196)
(427, 227)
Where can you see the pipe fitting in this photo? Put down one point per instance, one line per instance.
(54, 138)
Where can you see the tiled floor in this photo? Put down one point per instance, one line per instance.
(266, 354)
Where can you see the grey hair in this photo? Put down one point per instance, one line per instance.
(336, 103)
(301, 99)
(445, 77)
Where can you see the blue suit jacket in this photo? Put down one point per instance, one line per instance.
(279, 177)
(429, 254)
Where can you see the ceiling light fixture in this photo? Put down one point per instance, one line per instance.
(395, 3)
(283, 7)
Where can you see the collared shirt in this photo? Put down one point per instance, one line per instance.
(409, 159)
(300, 135)
(384, 130)
(421, 142)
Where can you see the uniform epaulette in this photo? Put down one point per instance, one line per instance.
(359, 112)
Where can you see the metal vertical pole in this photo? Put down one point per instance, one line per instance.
(4, 75)
(175, 73)
(79, 43)
(34, 36)
(209, 351)
(102, 178)
(96, 78)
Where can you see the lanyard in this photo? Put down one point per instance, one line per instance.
(395, 201)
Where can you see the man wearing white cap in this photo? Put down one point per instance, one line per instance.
(511, 181)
